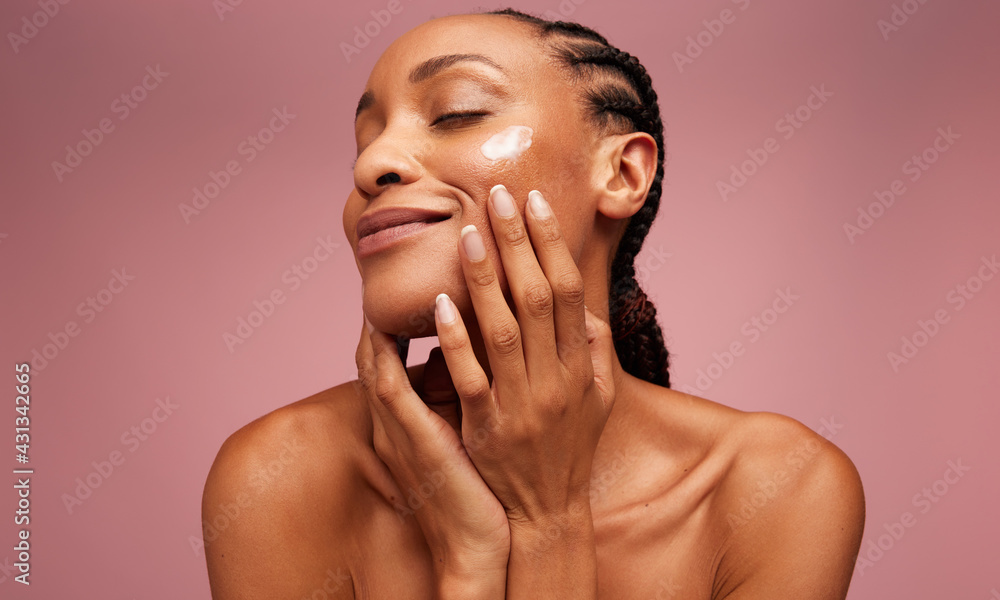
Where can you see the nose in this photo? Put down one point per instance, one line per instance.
(392, 158)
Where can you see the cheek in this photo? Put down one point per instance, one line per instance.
(508, 144)
(486, 158)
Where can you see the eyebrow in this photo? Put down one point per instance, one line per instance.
(428, 69)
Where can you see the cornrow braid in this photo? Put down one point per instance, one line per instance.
(619, 96)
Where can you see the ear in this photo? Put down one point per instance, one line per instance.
(629, 166)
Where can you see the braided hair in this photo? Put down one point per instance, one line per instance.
(619, 96)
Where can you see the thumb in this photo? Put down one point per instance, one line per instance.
(602, 349)
(439, 392)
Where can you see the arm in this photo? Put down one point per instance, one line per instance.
(803, 541)
(554, 558)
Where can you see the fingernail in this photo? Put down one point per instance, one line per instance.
(445, 308)
(538, 204)
(369, 325)
(503, 202)
(473, 243)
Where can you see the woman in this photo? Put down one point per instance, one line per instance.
(508, 171)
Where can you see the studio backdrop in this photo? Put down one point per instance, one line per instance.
(173, 263)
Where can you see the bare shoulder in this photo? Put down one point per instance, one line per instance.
(793, 508)
(276, 504)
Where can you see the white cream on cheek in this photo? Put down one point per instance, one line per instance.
(508, 144)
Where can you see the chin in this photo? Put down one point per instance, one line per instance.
(401, 310)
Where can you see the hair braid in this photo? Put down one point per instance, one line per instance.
(619, 95)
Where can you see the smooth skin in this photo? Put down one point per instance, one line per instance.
(520, 461)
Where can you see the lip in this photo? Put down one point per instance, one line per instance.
(383, 227)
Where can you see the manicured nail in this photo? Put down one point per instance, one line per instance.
(473, 243)
(445, 308)
(538, 204)
(503, 202)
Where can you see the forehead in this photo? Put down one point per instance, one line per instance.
(507, 42)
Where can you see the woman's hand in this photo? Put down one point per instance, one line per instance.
(464, 523)
(552, 389)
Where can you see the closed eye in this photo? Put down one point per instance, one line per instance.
(455, 117)
(459, 117)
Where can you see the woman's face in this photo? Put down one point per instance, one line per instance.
(407, 126)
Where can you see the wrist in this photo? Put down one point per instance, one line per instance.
(464, 564)
(554, 556)
(470, 583)
(572, 522)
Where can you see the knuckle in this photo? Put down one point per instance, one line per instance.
(452, 344)
(472, 390)
(366, 373)
(505, 338)
(550, 234)
(483, 276)
(515, 236)
(538, 299)
(570, 289)
(556, 410)
(385, 390)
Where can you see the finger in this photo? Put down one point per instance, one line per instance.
(439, 393)
(500, 331)
(467, 375)
(602, 349)
(387, 387)
(391, 387)
(563, 276)
(367, 373)
(528, 286)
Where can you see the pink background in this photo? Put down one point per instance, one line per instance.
(162, 335)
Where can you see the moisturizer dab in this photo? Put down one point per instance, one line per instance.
(508, 144)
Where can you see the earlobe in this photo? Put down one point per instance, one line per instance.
(631, 161)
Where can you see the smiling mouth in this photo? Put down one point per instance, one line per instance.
(386, 237)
